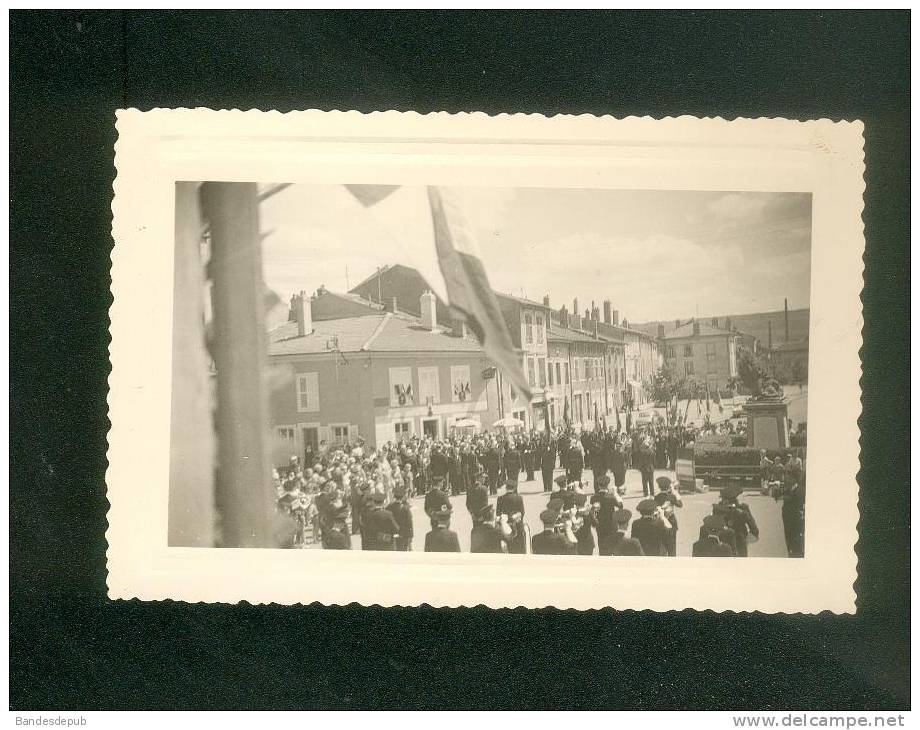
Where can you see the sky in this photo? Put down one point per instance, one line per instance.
(654, 254)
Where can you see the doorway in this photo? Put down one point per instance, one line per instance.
(430, 427)
(310, 444)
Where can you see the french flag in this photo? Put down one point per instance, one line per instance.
(450, 262)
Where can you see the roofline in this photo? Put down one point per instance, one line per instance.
(520, 300)
(380, 353)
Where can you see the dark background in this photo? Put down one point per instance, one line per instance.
(70, 647)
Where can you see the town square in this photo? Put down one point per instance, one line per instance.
(394, 429)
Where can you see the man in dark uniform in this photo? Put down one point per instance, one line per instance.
(793, 513)
(437, 466)
(645, 463)
(436, 498)
(551, 541)
(607, 505)
(527, 454)
(574, 463)
(668, 498)
(624, 546)
(709, 545)
(650, 529)
(512, 462)
(487, 536)
(512, 504)
(598, 459)
(492, 465)
(547, 464)
(617, 462)
(586, 522)
(477, 497)
(401, 512)
(380, 529)
(454, 471)
(442, 539)
(469, 467)
(336, 536)
(738, 518)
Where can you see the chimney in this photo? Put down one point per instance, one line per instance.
(607, 312)
(564, 317)
(616, 317)
(546, 300)
(576, 321)
(458, 328)
(587, 314)
(575, 307)
(303, 313)
(594, 323)
(786, 315)
(769, 335)
(593, 310)
(696, 327)
(428, 305)
(661, 331)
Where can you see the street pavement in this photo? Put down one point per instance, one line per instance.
(696, 506)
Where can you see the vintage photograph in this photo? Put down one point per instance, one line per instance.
(496, 370)
(385, 358)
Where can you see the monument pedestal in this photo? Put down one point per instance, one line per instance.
(767, 425)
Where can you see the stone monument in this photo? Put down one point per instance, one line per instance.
(767, 409)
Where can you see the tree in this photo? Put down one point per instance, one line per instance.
(663, 385)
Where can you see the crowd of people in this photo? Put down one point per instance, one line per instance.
(356, 490)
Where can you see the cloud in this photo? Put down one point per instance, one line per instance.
(644, 277)
(738, 206)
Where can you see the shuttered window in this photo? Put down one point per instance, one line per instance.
(307, 392)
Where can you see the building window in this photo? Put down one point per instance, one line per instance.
(540, 330)
(401, 430)
(340, 435)
(528, 329)
(531, 376)
(559, 373)
(541, 365)
(307, 392)
(710, 357)
(401, 391)
(429, 391)
(549, 374)
(567, 380)
(669, 351)
(286, 433)
(688, 367)
(688, 350)
(460, 389)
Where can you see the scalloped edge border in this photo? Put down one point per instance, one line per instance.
(501, 117)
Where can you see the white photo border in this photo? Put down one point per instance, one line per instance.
(159, 147)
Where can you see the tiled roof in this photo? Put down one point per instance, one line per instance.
(352, 333)
(706, 329)
(373, 333)
(521, 300)
(557, 332)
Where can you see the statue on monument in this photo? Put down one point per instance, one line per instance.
(763, 386)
